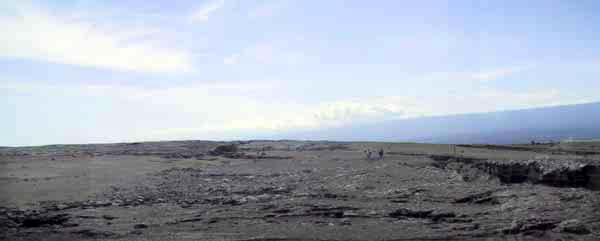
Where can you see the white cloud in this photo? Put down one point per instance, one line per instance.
(269, 53)
(219, 110)
(34, 34)
(495, 74)
(481, 75)
(233, 59)
(203, 12)
(491, 100)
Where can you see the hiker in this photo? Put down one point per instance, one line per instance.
(368, 154)
(263, 153)
(381, 154)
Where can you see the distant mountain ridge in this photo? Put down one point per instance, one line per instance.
(580, 121)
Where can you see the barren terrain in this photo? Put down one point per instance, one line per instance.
(297, 190)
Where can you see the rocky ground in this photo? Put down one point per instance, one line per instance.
(293, 190)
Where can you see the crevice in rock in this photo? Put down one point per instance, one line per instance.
(433, 215)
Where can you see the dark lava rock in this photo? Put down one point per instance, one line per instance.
(434, 215)
(184, 155)
(438, 215)
(224, 149)
(108, 217)
(405, 212)
(190, 220)
(331, 212)
(573, 226)
(140, 226)
(560, 173)
(283, 210)
(90, 233)
(7, 223)
(235, 201)
(346, 222)
(65, 225)
(532, 224)
(479, 198)
(42, 220)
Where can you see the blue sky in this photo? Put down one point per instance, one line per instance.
(107, 71)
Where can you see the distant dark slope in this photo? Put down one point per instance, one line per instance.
(520, 126)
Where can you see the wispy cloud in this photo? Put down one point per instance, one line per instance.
(32, 33)
(203, 13)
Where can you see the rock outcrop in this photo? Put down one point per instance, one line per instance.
(560, 173)
(551, 172)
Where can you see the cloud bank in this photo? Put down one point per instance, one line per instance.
(220, 111)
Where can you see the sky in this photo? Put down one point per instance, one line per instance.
(85, 71)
